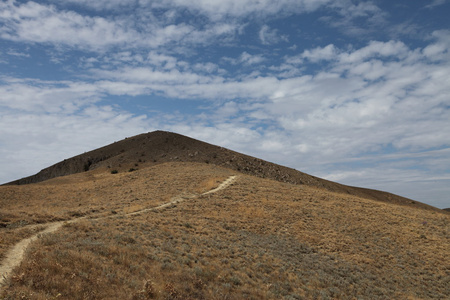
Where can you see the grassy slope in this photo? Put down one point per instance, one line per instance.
(159, 147)
(259, 239)
(94, 194)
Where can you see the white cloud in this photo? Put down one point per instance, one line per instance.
(435, 3)
(43, 96)
(162, 60)
(154, 78)
(209, 67)
(232, 135)
(249, 59)
(36, 140)
(317, 54)
(32, 22)
(387, 176)
(360, 91)
(17, 53)
(37, 23)
(376, 49)
(207, 35)
(440, 49)
(357, 92)
(227, 110)
(218, 9)
(270, 36)
(362, 9)
(100, 4)
(349, 16)
(368, 98)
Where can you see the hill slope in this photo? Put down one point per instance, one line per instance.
(160, 146)
(255, 239)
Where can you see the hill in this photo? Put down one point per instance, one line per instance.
(182, 219)
(159, 146)
(156, 233)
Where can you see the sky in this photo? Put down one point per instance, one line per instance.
(356, 92)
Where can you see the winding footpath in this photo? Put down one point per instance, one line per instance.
(17, 253)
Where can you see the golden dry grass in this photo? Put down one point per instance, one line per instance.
(257, 239)
(94, 194)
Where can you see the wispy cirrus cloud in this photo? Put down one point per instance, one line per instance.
(38, 23)
(217, 10)
(100, 4)
(435, 3)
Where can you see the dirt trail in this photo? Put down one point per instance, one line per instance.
(16, 254)
(183, 197)
(223, 185)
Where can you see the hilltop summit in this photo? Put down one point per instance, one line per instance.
(158, 147)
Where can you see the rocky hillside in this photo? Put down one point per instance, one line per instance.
(159, 146)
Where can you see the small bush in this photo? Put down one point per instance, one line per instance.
(114, 172)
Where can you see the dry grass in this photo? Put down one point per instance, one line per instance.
(257, 239)
(208, 184)
(95, 194)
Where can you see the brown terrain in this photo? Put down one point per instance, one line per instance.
(159, 147)
(164, 216)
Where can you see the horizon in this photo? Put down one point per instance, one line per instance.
(356, 93)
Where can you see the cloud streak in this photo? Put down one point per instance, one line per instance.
(37, 23)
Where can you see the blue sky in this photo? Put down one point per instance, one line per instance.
(353, 91)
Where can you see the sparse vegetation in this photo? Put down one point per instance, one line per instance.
(258, 239)
(162, 147)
